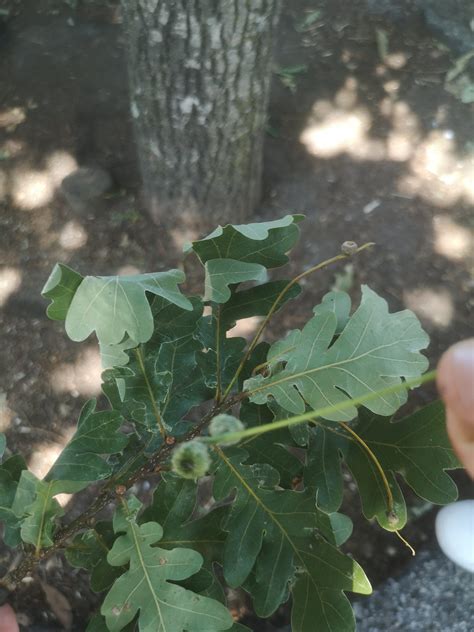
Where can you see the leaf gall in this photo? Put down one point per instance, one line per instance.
(191, 460)
(223, 424)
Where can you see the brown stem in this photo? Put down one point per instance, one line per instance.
(109, 494)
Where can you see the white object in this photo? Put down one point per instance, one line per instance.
(371, 206)
(455, 533)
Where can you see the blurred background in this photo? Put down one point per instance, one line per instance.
(362, 120)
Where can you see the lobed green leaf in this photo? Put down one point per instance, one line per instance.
(256, 301)
(89, 550)
(221, 273)
(40, 508)
(174, 503)
(10, 513)
(264, 243)
(97, 434)
(116, 306)
(274, 535)
(416, 447)
(148, 586)
(60, 288)
(375, 350)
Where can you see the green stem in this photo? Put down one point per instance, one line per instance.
(277, 301)
(218, 355)
(377, 464)
(320, 412)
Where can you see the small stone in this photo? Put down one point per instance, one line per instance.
(371, 206)
(87, 182)
(84, 185)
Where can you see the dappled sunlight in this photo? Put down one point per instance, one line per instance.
(436, 155)
(245, 327)
(128, 270)
(435, 169)
(59, 165)
(437, 173)
(339, 132)
(404, 134)
(434, 306)
(31, 189)
(339, 127)
(63, 499)
(72, 236)
(397, 60)
(451, 240)
(12, 148)
(11, 118)
(399, 146)
(346, 97)
(6, 413)
(44, 457)
(82, 377)
(10, 281)
(183, 236)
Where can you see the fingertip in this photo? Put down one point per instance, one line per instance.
(8, 622)
(464, 448)
(456, 382)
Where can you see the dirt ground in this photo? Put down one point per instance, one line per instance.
(362, 137)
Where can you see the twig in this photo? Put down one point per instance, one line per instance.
(108, 494)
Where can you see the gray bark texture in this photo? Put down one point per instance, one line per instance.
(200, 74)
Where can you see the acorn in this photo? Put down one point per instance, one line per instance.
(349, 248)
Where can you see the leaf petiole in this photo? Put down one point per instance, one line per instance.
(141, 363)
(321, 412)
(376, 462)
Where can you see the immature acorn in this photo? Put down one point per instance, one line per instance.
(222, 424)
(349, 248)
(191, 460)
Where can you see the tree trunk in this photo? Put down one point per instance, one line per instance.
(200, 73)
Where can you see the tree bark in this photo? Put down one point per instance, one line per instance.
(200, 74)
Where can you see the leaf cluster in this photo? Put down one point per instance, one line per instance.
(176, 376)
